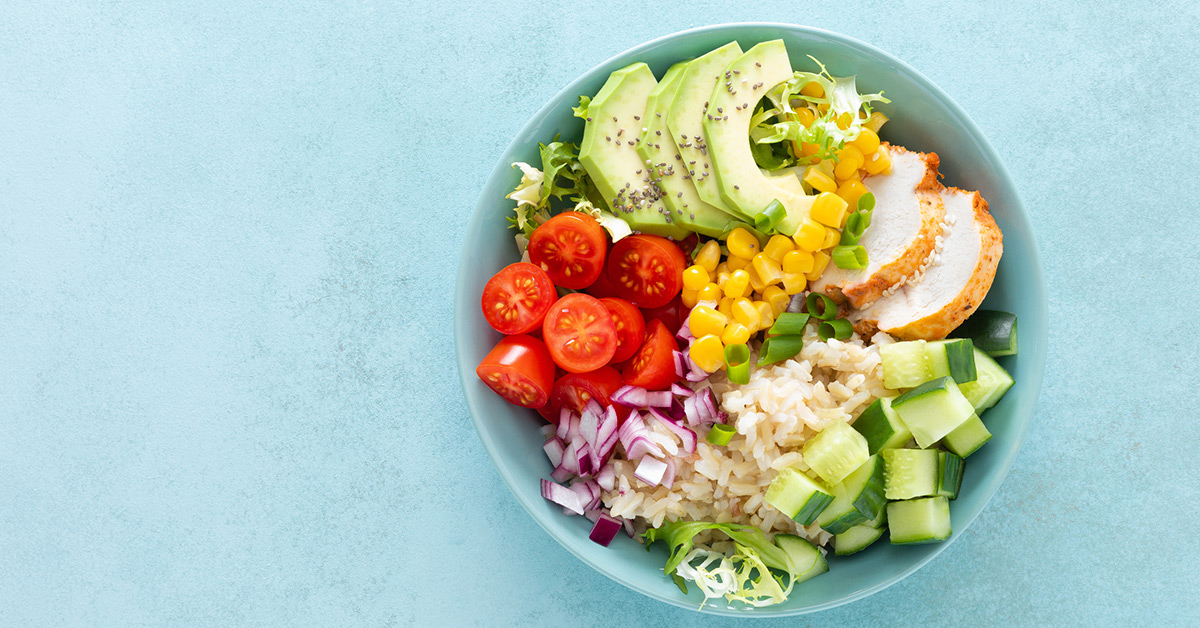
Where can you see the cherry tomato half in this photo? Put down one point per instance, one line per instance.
(647, 270)
(579, 333)
(653, 367)
(519, 369)
(516, 299)
(631, 327)
(670, 314)
(573, 390)
(570, 247)
(603, 286)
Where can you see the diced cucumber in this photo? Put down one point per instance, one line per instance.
(857, 499)
(835, 452)
(950, 473)
(968, 437)
(990, 385)
(905, 364)
(880, 521)
(855, 540)
(880, 425)
(804, 559)
(797, 496)
(955, 358)
(925, 520)
(933, 409)
(910, 473)
(993, 331)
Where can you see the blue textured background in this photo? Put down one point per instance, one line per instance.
(227, 240)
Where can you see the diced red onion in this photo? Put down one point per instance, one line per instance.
(607, 477)
(682, 366)
(686, 436)
(707, 406)
(635, 438)
(560, 474)
(563, 496)
(693, 373)
(593, 514)
(605, 530)
(548, 431)
(685, 332)
(722, 417)
(649, 470)
(637, 397)
(564, 423)
(668, 478)
(554, 449)
(642, 447)
(588, 492)
(681, 391)
(573, 428)
(628, 523)
(690, 411)
(570, 458)
(675, 410)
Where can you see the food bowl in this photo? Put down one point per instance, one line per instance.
(923, 118)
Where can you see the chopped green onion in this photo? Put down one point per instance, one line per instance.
(866, 202)
(850, 256)
(789, 324)
(856, 224)
(779, 348)
(737, 363)
(766, 220)
(827, 309)
(720, 434)
(839, 328)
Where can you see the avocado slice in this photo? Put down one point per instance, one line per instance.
(686, 122)
(727, 129)
(609, 154)
(657, 149)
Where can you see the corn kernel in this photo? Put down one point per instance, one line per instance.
(844, 120)
(704, 320)
(794, 283)
(867, 141)
(735, 334)
(738, 284)
(829, 209)
(689, 297)
(797, 262)
(767, 269)
(823, 108)
(832, 237)
(778, 299)
(850, 159)
(695, 277)
(745, 313)
(809, 150)
(725, 306)
(809, 236)
(723, 268)
(737, 263)
(778, 246)
(813, 89)
(708, 353)
(805, 116)
(742, 243)
(875, 121)
(709, 256)
(851, 190)
(711, 292)
(879, 162)
(756, 282)
(820, 261)
(818, 180)
(766, 314)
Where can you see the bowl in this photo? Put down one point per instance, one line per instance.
(923, 118)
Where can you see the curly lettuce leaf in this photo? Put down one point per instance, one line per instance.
(615, 227)
(582, 109)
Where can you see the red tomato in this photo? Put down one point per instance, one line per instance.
(630, 325)
(520, 370)
(647, 270)
(603, 286)
(573, 390)
(653, 367)
(570, 247)
(579, 333)
(688, 244)
(670, 314)
(516, 299)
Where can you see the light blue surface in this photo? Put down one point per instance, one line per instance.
(227, 238)
(925, 121)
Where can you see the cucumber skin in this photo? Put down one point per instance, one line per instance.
(881, 427)
(793, 546)
(929, 425)
(852, 541)
(950, 470)
(990, 373)
(871, 501)
(993, 331)
(967, 438)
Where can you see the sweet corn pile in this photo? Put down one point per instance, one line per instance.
(734, 298)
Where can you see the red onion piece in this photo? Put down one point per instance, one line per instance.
(690, 411)
(686, 436)
(605, 530)
(685, 332)
(554, 449)
(642, 447)
(560, 474)
(668, 478)
(607, 477)
(563, 496)
(630, 396)
(649, 470)
(707, 406)
(681, 391)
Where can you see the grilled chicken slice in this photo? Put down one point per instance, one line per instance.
(904, 227)
(940, 296)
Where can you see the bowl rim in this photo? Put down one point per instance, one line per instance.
(1037, 345)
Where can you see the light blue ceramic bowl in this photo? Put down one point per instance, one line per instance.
(922, 118)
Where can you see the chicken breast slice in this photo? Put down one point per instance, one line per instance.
(904, 227)
(949, 289)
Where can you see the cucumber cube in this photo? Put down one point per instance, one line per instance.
(797, 496)
(990, 385)
(950, 473)
(835, 452)
(955, 358)
(855, 540)
(925, 520)
(857, 499)
(968, 437)
(933, 409)
(881, 426)
(910, 473)
(905, 364)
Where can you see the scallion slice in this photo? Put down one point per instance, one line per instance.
(839, 328)
(720, 434)
(866, 203)
(779, 348)
(766, 220)
(850, 256)
(789, 324)
(856, 224)
(737, 363)
(827, 308)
